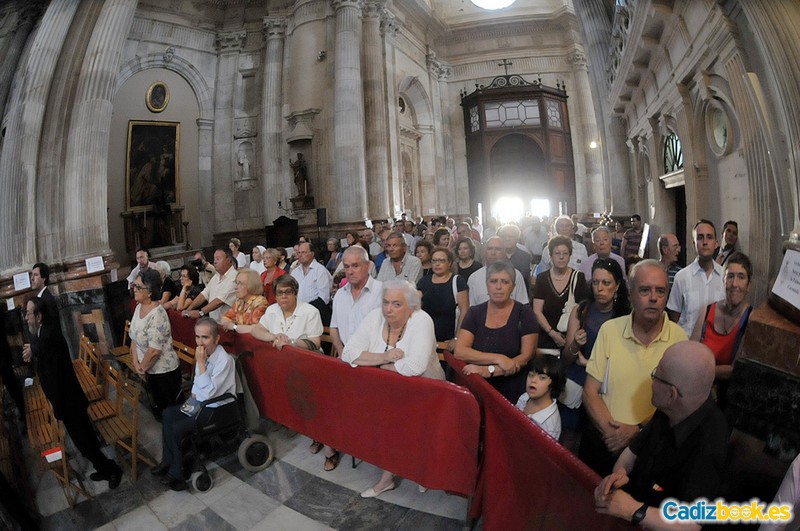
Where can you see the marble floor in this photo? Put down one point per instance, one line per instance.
(294, 493)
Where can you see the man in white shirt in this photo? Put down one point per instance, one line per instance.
(219, 291)
(478, 294)
(698, 284)
(142, 263)
(374, 247)
(400, 264)
(314, 281)
(356, 299)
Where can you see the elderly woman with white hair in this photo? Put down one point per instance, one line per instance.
(397, 337)
(168, 288)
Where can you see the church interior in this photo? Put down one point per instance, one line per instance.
(176, 125)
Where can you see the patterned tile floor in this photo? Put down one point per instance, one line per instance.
(293, 493)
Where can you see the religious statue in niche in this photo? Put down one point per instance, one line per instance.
(245, 179)
(303, 199)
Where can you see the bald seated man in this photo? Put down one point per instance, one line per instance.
(680, 453)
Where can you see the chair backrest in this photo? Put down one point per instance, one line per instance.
(87, 353)
(184, 351)
(126, 338)
(327, 339)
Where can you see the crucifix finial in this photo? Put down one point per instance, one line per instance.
(505, 64)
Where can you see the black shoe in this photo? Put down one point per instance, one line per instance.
(114, 479)
(177, 484)
(99, 476)
(160, 469)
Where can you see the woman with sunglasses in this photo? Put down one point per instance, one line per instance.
(607, 299)
(153, 357)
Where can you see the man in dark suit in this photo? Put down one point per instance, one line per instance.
(40, 277)
(50, 354)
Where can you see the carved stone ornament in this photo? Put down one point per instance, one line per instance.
(169, 54)
(231, 41)
(577, 59)
(274, 27)
(389, 25)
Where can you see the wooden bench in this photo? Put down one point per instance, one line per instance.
(122, 428)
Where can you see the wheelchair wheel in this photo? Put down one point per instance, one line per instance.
(202, 480)
(255, 453)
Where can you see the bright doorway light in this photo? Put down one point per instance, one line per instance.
(507, 209)
(593, 144)
(540, 207)
(493, 4)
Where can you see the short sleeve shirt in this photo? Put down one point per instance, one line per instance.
(154, 331)
(304, 322)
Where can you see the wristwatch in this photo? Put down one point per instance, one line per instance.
(639, 515)
(201, 312)
(491, 368)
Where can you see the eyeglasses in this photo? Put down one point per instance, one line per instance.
(665, 382)
(280, 292)
(439, 260)
(140, 287)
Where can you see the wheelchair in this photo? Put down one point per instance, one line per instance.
(220, 431)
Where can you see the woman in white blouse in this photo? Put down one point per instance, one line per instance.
(398, 337)
(154, 359)
(288, 321)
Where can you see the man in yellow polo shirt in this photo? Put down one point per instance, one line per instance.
(617, 393)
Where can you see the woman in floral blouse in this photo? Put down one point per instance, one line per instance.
(154, 359)
(250, 305)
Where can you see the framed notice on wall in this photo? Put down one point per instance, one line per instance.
(153, 164)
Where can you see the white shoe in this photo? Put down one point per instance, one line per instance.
(422, 489)
(372, 493)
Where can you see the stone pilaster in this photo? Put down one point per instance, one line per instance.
(86, 180)
(389, 29)
(205, 176)
(229, 45)
(349, 175)
(375, 106)
(445, 176)
(274, 31)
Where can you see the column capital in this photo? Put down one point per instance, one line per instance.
(274, 27)
(204, 124)
(389, 25)
(341, 4)
(577, 59)
(374, 8)
(231, 41)
(439, 69)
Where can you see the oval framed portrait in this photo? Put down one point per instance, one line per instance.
(157, 97)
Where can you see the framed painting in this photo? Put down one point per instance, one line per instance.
(157, 97)
(153, 164)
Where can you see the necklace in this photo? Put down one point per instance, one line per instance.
(287, 323)
(389, 334)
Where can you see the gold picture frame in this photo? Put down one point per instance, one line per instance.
(152, 177)
(157, 97)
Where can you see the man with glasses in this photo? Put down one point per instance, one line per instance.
(219, 292)
(680, 453)
(494, 252)
(601, 238)
(314, 280)
(616, 394)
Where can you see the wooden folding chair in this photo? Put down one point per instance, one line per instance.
(87, 369)
(46, 435)
(327, 339)
(122, 428)
(122, 353)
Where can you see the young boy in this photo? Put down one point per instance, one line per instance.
(545, 382)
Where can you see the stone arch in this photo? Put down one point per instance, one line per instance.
(180, 66)
(416, 97)
(418, 101)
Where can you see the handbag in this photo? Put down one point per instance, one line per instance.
(563, 321)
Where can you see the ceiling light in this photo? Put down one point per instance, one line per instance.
(492, 4)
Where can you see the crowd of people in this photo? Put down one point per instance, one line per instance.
(571, 323)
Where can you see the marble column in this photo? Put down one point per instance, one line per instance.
(18, 165)
(348, 123)
(86, 182)
(229, 45)
(11, 58)
(274, 31)
(590, 192)
(375, 109)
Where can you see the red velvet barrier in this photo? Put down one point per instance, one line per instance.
(527, 479)
(421, 429)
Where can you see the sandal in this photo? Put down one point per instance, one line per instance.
(332, 461)
(315, 447)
